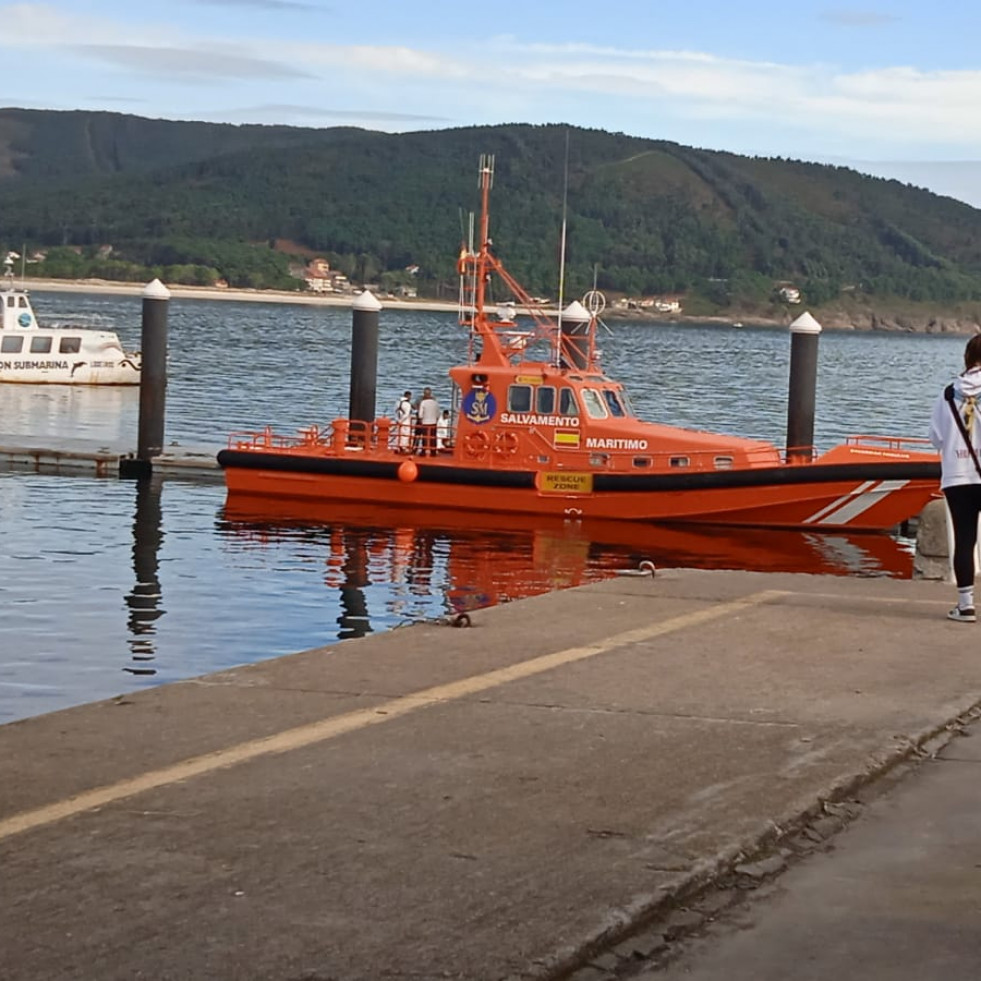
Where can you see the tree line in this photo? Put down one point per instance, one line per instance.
(644, 217)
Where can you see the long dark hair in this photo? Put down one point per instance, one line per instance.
(972, 353)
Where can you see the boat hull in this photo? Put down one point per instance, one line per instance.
(85, 368)
(857, 496)
(98, 377)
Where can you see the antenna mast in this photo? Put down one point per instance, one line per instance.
(565, 212)
(485, 182)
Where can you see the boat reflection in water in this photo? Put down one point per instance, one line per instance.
(464, 561)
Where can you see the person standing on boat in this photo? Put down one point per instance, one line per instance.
(403, 423)
(956, 432)
(443, 441)
(428, 420)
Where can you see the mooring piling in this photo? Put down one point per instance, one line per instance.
(575, 336)
(804, 332)
(153, 381)
(364, 357)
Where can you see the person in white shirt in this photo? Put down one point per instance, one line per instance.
(428, 419)
(443, 441)
(956, 432)
(403, 423)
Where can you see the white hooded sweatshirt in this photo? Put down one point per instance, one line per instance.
(956, 464)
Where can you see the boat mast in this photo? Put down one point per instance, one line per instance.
(498, 341)
(486, 182)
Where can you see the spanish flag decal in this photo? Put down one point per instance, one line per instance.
(566, 439)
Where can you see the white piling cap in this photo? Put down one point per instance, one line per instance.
(805, 324)
(577, 313)
(366, 301)
(156, 291)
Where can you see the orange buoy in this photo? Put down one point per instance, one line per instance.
(408, 471)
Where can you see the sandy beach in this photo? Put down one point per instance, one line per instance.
(337, 300)
(238, 295)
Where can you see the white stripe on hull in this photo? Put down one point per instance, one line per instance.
(855, 502)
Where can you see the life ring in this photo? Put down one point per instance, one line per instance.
(476, 445)
(506, 444)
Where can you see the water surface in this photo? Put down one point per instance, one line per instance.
(108, 585)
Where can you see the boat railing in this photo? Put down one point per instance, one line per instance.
(264, 439)
(898, 443)
(340, 436)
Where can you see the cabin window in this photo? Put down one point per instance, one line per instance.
(11, 301)
(22, 302)
(70, 345)
(612, 402)
(679, 461)
(595, 406)
(643, 461)
(40, 345)
(12, 345)
(568, 406)
(723, 463)
(519, 398)
(545, 400)
(625, 402)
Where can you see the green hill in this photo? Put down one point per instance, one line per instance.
(201, 200)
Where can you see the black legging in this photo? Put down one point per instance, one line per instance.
(964, 502)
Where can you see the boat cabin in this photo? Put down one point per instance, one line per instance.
(17, 311)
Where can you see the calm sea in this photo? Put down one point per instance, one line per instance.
(107, 586)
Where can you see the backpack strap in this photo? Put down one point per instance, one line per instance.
(949, 396)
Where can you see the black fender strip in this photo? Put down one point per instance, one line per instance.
(624, 483)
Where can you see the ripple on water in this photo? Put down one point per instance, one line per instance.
(100, 577)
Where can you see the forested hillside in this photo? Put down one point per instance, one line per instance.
(644, 216)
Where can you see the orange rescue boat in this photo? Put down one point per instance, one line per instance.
(539, 429)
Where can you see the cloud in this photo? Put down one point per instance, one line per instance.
(390, 59)
(103, 99)
(813, 106)
(280, 112)
(858, 18)
(43, 25)
(187, 63)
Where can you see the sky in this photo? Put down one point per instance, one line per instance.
(892, 88)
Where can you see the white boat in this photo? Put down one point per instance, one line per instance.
(59, 354)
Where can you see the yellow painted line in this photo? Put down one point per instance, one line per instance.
(318, 732)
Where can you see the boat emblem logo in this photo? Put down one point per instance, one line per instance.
(24, 320)
(479, 406)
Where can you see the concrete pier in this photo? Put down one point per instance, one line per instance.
(514, 800)
(85, 456)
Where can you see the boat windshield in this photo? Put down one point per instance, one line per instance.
(613, 403)
(595, 404)
(568, 404)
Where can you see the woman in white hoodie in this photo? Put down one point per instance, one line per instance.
(956, 432)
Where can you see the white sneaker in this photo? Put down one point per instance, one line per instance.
(965, 615)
